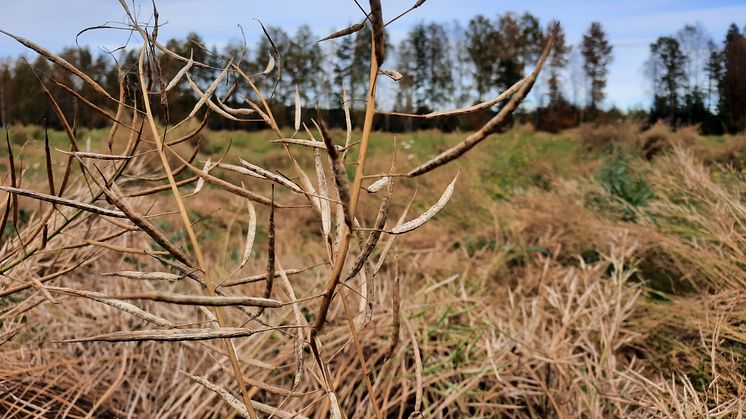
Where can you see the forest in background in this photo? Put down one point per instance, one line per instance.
(695, 80)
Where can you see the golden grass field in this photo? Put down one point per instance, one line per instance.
(568, 276)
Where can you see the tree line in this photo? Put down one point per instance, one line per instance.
(698, 81)
(442, 66)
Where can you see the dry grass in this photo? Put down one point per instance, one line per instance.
(562, 308)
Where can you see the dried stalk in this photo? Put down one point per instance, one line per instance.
(236, 404)
(64, 201)
(491, 125)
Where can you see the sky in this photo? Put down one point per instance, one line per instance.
(631, 24)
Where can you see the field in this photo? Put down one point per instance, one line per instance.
(596, 272)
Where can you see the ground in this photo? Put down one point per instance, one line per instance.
(599, 270)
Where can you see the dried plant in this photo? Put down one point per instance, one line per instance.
(340, 331)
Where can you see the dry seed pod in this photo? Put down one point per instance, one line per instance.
(491, 125)
(210, 104)
(326, 213)
(239, 169)
(266, 174)
(378, 185)
(378, 226)
(298, 315)
(161, 188)
(64, 201)
(305, 143)
(150, 276)
(210, 90)
(201, 181)
(177, 78)
(348, 123)
(202, 300)
(227, 186)
(94, 156)
(120, 108)
(467, 110)
(297, 108)
(250, 235)
(335, 411)
(236, 111)
(339, 170)
(49, 55)
(346, 31)
(169, 335)
(430, 213)
(417, 4)
(270, 65)
(392, 74)
(119, 305)
(396, 315)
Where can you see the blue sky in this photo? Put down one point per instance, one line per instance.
(631, 25)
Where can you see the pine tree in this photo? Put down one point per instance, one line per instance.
(596, 51)
(557, 62)
(343, 60)
(733, 92)
(666, 67)
(715, 70)
(481, 37)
